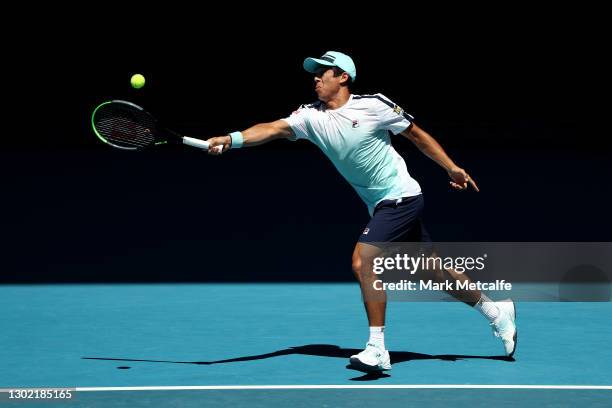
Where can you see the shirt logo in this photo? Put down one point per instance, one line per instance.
(355, 124)
(365, 231)
(397, 110)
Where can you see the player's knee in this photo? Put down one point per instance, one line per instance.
(357, 266)
(362, 268)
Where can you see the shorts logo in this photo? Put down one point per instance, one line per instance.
(397, 110)
(355, 124)
(365, 231)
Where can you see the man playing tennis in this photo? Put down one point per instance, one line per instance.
(353, 131)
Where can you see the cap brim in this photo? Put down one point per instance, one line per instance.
(312, 64)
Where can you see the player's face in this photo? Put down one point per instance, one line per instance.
(326, 84)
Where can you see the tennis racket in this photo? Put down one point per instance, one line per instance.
(127, 126)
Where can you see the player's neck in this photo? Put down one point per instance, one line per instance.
(338, 100)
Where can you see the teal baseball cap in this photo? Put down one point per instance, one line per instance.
(332, 59)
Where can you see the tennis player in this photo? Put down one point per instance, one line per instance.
(354, 132)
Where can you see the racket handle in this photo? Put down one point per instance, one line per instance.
(202, 144)
(190, 141)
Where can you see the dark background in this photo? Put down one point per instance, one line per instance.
(517, 97)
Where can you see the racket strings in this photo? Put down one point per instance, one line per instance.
(125, 126)
(116, 129)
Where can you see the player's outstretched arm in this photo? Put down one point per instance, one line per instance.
(432, 149)
(253, 136)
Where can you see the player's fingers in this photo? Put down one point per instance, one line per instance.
(460, 187)
(214, 150)
(473, 184)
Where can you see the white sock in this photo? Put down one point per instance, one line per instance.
(487, 307)
(377, 336)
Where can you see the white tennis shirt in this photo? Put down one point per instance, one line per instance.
(356, 139)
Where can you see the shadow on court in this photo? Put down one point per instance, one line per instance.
(325, 350)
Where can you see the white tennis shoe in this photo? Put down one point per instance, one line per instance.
(373, 358)
(504, 326)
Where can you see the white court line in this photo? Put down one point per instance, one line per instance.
(361, 386)
(324, 387)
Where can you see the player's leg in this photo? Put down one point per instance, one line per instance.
(375, 357)
(375, 301)
(468, 296)
(393, 220)
(501, 315)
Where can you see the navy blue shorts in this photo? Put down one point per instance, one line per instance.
(395, 221)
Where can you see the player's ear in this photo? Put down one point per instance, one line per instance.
(344, 78)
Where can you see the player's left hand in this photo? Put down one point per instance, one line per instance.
(461, 180)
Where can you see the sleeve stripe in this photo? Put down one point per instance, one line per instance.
(386, 102)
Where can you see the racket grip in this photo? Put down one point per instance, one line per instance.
(202, 144)
(190, 141)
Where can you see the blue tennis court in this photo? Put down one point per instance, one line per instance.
(203, 336)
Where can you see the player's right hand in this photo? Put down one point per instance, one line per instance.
(224, 141)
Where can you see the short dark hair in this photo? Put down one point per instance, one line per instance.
(339, 71)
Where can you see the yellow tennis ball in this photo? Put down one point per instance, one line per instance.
(137, 81)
